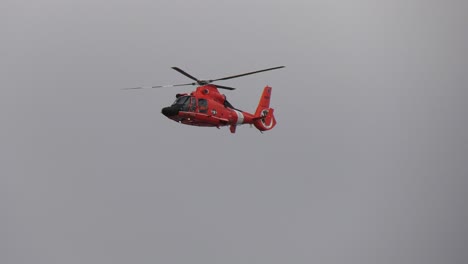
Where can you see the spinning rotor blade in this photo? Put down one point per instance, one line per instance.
(159, 86)
(186, 74)
(204, 82)
(244, 74)
(224, 87)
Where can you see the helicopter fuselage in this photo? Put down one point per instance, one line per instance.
(206, 107)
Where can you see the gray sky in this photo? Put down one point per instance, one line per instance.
(368, 162)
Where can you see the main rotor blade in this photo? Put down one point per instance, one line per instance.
(224, 87)
(244, 74)
(173, 85)
(159, 86)
(203, 82)
(186, 74)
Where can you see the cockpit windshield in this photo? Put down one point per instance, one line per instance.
(185, 103)
(183, 100)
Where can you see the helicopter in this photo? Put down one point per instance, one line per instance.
(207, 107)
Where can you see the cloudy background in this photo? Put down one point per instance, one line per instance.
(368, 162)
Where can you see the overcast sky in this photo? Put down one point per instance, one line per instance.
(368, 162)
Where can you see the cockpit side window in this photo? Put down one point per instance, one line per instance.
(193, 104)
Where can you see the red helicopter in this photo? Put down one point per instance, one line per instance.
(207, 107)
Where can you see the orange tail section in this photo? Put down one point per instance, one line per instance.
(265, 120)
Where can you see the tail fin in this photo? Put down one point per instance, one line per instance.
(264, 114)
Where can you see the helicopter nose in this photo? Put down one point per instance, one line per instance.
(170, 111)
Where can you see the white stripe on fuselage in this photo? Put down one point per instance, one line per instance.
(240, 117)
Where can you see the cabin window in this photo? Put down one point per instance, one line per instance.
(202, 105)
